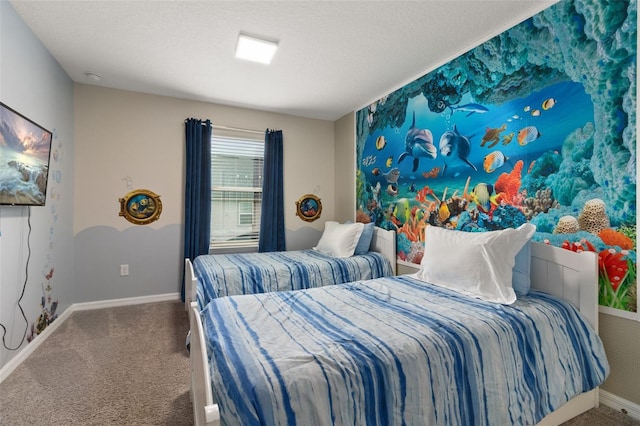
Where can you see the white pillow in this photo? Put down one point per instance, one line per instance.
(478, 264)
(339, 240)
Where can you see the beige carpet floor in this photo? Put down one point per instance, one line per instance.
(127, 366)
(117, 366)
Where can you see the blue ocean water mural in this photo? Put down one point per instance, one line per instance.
(536, 124)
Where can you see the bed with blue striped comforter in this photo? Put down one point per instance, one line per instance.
(250, 273)
(396, 351)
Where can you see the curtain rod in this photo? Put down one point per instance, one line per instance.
(237, 129)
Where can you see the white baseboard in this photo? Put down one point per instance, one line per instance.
(14, 362)
(620, 404)
(125, 302)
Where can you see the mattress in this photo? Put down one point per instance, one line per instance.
(250, 273)
(396, 350)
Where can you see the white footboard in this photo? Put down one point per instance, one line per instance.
(205, 412)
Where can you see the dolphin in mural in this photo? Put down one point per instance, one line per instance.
(418, 144)
(455, 148)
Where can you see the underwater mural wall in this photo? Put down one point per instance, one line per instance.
(537, 124)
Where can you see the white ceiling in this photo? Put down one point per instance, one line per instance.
(334, 56)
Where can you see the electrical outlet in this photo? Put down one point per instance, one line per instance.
(124, 270)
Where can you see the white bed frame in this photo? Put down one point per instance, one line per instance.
(383, 242)
(554, 270)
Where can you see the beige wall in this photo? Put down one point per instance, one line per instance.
(124, 134)
(621, 338)
(345, 188)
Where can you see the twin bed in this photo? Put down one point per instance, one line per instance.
(212, 276)
(399, 350)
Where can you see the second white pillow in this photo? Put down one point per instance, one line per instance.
(477, 264)
(339, 239)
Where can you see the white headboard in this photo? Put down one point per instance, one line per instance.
(571, 276)
(384, 242)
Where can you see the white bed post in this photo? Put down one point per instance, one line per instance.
(189, 285)
(205, 412)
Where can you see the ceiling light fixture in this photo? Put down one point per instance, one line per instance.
(255, 49)
(91, 76)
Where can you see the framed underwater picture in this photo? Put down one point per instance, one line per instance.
(140, 207)
(308, 207)
(534, 125)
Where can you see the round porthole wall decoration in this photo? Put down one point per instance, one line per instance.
(308, 207)
(140, 206)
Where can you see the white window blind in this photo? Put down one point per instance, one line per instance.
(236, 192)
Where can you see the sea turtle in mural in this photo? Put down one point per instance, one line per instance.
(493, 135)
(418, 144)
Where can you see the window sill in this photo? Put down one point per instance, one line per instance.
(233, 248)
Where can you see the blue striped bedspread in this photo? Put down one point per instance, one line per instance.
(250, 273)
(396, 351)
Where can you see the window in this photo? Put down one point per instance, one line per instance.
(236, 192)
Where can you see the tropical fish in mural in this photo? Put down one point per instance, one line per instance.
(481, 195)
(418, 144)
(528, 135)
(369, 160)
(494, 161)
(485, 199)
(401, 211)
(421, 196)
(455, 148)
(535, 113)
(381, 142)
(431, 173)
(493, 135)
(443, 212)
(548, 104)
(375, 171)
(470, 108)
(392, 176)
(389, 161)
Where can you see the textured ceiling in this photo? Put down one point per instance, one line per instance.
(334, 56)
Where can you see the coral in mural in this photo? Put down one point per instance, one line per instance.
(630, 232)
(509, 183)
(541, 203)
(611, 237)
(593, 217)
(573, 173)
(362, 217)
(616, 275)
(567, 225)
